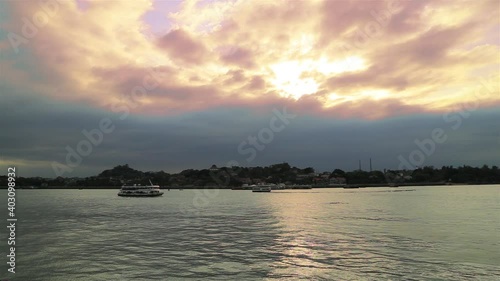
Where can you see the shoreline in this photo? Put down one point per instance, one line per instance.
(231, 188)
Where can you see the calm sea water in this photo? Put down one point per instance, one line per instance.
(430, 233)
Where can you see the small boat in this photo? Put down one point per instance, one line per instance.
(300, 186)
(138, 190)
(261, 188)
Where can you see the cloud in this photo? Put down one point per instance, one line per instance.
(37, 133)
(227, 52)
(257, 83)
(237, 56)
(181, 46)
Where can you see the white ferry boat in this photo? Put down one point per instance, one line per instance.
(262, 187)
(138, 190)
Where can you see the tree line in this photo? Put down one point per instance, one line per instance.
(278, 173)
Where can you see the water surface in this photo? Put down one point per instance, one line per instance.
(420, 233)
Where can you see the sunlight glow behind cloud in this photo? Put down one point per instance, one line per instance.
(330, 58)
(195, 77)
(288, 75)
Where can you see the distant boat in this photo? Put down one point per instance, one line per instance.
(300, 186)
(138, 190)
(262, 188)
(280, 186)
(336, 185)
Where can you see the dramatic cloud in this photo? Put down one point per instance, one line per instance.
(37, 132)
(337, 52)
(326, 60)
(180, 45)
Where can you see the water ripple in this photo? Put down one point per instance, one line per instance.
(289, 236)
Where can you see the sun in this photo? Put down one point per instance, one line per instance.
(289, 80)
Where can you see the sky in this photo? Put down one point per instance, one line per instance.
(171, 85)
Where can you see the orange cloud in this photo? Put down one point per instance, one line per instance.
(348, 59)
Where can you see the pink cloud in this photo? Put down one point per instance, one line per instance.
(180, 45)
(237, 56)
(418, 57)
(257, 83)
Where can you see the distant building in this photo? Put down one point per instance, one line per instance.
(325, 175)
(337, 180)
(304, 176)
(245, 180)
